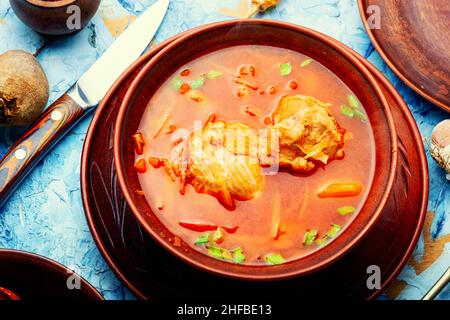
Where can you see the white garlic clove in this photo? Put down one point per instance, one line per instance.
(440, 144)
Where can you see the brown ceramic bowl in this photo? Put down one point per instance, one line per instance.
(32, 277)
(50, 16)
(263, 32)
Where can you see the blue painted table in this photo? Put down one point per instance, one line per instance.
(45, 214)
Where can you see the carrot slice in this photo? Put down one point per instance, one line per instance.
(140, 166)
(139, 143)
(341, 190)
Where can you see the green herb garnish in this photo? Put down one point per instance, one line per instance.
(285, 69)
(309, 237)
(345, 210)
(321, 242)
(306, 62)
(238, 255)
(347, 111)
(360, 114)
(333, 231)
(177, 82)
(216, 252)
(203, 239)
(196, 84)
(214, 74)
(274, 259)
(353, 101)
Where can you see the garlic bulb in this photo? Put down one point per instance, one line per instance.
(440, 145)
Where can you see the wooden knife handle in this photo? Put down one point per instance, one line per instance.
(42, 135)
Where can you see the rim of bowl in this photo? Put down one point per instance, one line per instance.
(221, 271)
(54, 267)
(51, 4)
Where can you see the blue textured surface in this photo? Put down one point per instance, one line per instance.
(45, 214)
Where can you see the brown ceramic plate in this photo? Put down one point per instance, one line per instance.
(413, 40)
(216, 36)
(150, 272)
(33, 277)
(52, 17)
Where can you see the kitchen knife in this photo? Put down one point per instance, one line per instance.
(81, 98)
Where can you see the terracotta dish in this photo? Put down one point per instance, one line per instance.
(26, 276)
(227, 34)
(413, 40)
(151, 272)
(54, 17)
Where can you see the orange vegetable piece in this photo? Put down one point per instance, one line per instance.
(293, 85)
(185, 87)
(140, 166)
(139, 143)
(340, 190)
(185, 72)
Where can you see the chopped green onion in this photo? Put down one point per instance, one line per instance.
(238, 255)
(321, 242)
(333, 231)
(309, 237)
(274, 259)
(360, 115)
(347, 111)
(285, 69)
(215, 252)
(306, 62)
(214, 74)
(203, 239)
(353, 101)
(345, 210)
(196, 84)
(177, 82)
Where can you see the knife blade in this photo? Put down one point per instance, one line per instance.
(81, 98)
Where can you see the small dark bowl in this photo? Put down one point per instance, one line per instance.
(220, 35)
(50, 17)
(33, 277)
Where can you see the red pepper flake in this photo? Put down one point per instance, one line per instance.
(268, 121)
(198, 227)
(280, 232)
(172, 128)
(293, 85)
(246, 83)
(272, 90)
(139, 192)
(242, 92)
(156, 162)
(252, 71)
(243, 71)
(201, 227)
(262, 92)
(250, 110)
(185, 72)
(184, 88)
(140, 166)
(230, 229)
(139, 143)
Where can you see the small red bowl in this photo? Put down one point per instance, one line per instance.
(216, 36)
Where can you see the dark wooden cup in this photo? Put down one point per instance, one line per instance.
(55, 17)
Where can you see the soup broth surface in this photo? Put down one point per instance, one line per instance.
(288, 200)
